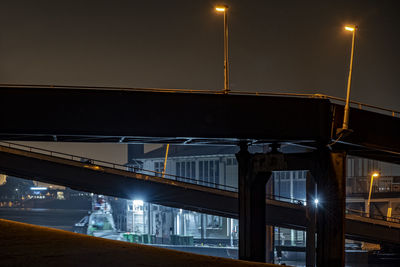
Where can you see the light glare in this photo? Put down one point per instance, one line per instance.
(375, 174)
(348, 28)
(138, 202)
(93, 167)
(220, 9)
(316, 201)
(38, 188)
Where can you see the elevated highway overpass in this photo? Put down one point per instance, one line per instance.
(135, 115)
(115, 180)
(309, 123)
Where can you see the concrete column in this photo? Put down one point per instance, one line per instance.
(203, 227)
(331, 185)
(252, 193)
(269, 257)
(244, 167)
(311, 220)
(270, 237)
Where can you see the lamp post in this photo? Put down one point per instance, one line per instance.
(165, 161)
(346, 107)
(224, 9)
(374, 174)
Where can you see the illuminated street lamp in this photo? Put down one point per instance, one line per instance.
(224, 9)
(346, 107)
(376, 175)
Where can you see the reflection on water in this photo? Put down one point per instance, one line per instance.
(62, 219)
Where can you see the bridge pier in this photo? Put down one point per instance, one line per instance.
(254, 173)
(311, 220)
(326, 218)
(252, 229)
(331, 184)
(270, 235)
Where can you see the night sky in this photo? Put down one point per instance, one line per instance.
(275, 46)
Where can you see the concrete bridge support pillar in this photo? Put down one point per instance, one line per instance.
(252, 186)
(311, 220)
(331, 186)
(254, 173)
(270, 238)
(326, 219)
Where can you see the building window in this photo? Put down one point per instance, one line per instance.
(213, 222)
(290, 185)
(231, 161)
(201, 169)
(209, 173)
(159, 168)
(186, 170)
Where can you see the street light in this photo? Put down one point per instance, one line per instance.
(224, 9)
(346, 107)
(165, 161)
(376, 175)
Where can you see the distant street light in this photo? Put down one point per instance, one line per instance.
(165, 161)
(346, 107)
(376, 175)
(349, 28)
(224, 9)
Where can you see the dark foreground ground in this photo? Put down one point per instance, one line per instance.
(29, 245)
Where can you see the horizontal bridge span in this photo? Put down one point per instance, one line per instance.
(93, 115)
(55, 114)
(129, 185)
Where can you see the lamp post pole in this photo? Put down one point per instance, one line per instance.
(346, 107)
(165, 161)
(224, 9)
(375, 174)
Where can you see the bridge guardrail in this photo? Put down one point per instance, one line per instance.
(98, 164)
(373, 216)
(361, 184)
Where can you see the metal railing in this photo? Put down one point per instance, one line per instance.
(292, 200)
(355, 104)
(100, 164)
(373, 216)
(360, 213)
(361, 185)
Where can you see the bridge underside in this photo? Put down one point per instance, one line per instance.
(127, 116)
(130, 116)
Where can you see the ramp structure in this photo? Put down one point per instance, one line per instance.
(116, 180)
(311, 123)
